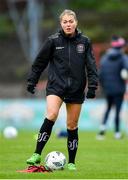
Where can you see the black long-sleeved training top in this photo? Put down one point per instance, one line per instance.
(71, 62)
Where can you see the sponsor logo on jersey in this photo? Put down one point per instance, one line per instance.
(60, 47)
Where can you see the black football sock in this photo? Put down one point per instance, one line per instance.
(44, 134)
(72, 144)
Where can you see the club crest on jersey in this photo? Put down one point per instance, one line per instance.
(80, 48)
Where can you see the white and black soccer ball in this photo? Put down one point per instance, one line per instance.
(10, 132)
(55, 160)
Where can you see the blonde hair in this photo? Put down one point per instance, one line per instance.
(68, 12)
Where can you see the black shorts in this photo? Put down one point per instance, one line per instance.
(67, 97)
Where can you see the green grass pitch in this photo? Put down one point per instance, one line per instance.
(95, 159)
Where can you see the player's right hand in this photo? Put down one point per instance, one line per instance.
(31, 88)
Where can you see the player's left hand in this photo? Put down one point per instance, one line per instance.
(91, 93)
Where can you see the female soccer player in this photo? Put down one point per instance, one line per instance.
(71, 66)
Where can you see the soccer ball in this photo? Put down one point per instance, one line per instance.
(10, 132)
(55, 160)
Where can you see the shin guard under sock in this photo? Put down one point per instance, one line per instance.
(72, 144)
(44, 134)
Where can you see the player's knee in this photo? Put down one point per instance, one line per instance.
(52, 115)
(71, 126)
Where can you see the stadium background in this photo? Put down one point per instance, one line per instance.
(98, 20)
(24, 24)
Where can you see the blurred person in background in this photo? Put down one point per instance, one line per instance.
(113, 74)
(71, 66)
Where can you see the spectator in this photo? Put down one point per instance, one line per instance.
(112, 74)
